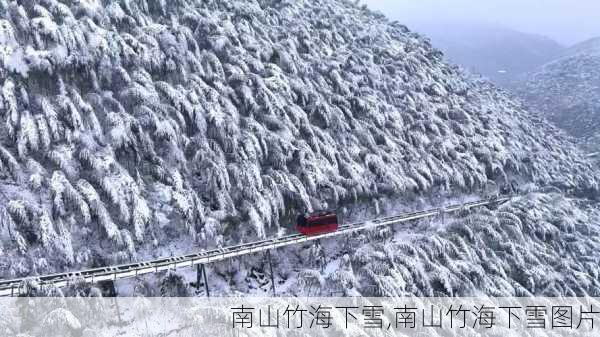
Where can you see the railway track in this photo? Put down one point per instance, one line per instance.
(14, 287)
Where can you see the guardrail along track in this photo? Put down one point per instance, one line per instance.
(117, 272)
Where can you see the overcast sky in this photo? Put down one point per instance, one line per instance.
(567, 21)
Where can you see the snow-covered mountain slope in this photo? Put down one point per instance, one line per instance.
(542, 244)
(567, 90)
(496, 52)
(136, 128)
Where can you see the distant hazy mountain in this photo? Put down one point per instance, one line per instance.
(591, 46)
(567, 90)
(499, 53)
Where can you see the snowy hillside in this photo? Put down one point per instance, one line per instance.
(567, 90)
(134, 129)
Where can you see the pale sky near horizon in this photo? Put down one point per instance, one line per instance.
(566, 21)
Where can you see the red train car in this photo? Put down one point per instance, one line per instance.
(317, 223)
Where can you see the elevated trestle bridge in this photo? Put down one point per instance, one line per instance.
(16, 287)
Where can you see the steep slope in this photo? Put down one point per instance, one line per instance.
(539, 245)
(567, 90)
(133, 128)
(496, 52)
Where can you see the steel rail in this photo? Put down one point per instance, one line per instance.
(14, 287)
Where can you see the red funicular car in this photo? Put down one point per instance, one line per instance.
(319, 222)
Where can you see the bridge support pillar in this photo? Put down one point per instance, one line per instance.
(268, 253)
(201, 271)
(198, 276)
(205, 281)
